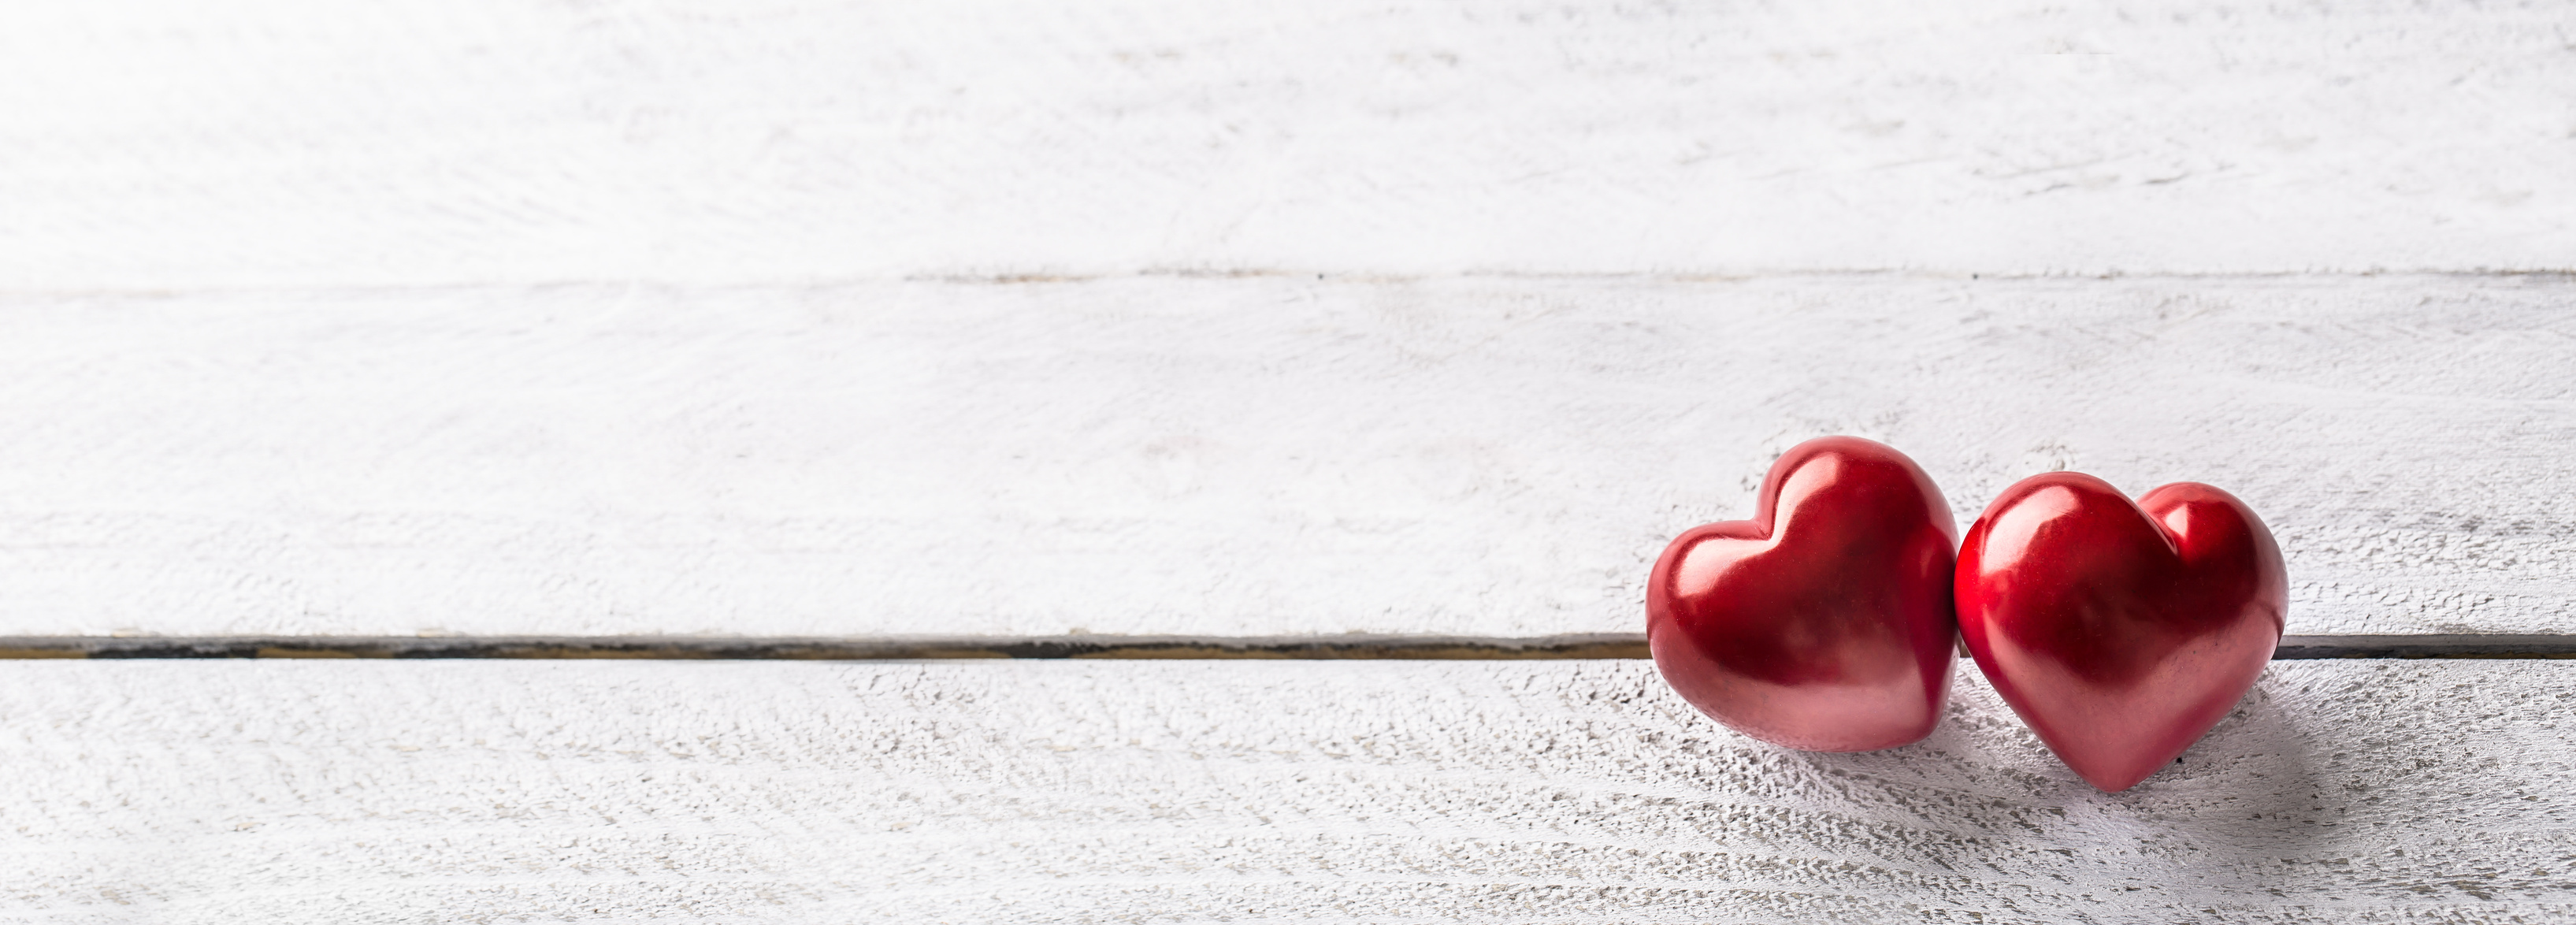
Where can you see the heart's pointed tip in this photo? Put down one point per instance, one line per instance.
(2115, 782)
(2112, 786)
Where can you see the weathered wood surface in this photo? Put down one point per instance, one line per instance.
(155, 144)
(1195, 791)
(1243, 319)
(1228, 457)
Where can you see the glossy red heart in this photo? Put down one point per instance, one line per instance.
(1824, 622)
(2120, 631)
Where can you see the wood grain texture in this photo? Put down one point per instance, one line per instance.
(1259, 456)
(159, 144)
(492, 318)
(1566, 791)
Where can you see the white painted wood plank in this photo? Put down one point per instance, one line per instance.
(1255, 456)
(329, 792)
(161, 143)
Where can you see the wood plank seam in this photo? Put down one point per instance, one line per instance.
(1575, 646)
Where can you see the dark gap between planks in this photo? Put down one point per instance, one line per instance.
(1588, 646)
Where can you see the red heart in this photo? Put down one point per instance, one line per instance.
(1824, 622)
(2120, 632)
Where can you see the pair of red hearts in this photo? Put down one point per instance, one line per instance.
(2120, 631)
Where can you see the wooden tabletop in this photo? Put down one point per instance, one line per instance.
(497, 333)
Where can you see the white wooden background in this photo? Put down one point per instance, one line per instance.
(1240, 319)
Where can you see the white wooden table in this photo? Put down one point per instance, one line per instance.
(473, 320)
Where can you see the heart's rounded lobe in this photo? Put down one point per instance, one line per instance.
(1823, 623)
(2121, 632)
